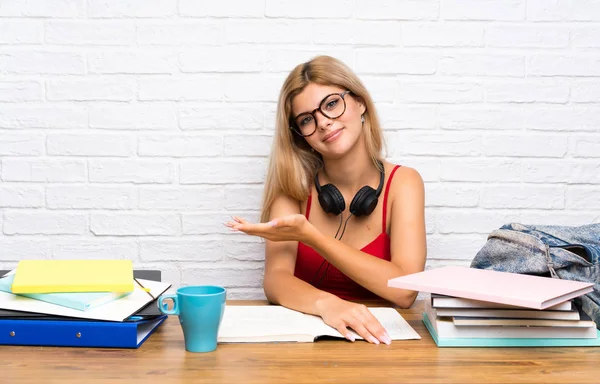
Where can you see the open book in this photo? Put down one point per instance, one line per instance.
(273, 323)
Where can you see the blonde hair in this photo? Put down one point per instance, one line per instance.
(293, 164)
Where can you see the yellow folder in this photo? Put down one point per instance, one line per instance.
(48, 276)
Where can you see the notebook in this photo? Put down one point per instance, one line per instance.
(508, 342)
(499, 287)
(508, 322)
(273, 323)
(81, 301)
(440, 301)
(50, 276)
(445, 327)
(508, 313)
(116, 310)
(148, 311)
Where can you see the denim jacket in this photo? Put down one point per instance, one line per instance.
(571, 253)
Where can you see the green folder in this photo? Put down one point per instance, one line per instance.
(508, 342)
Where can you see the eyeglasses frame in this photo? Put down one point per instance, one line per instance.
(294, 127)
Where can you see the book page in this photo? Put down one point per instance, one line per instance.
(276, 323)
(389, 318)
(263, 323)
(395, 324)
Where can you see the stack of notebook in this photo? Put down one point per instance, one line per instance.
(91, 303)
(482, 308)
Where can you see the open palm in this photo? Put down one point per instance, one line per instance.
(287, 228)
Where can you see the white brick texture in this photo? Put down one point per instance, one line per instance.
(21, 31)
(133, 129)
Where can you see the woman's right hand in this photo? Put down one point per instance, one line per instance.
(341, 315)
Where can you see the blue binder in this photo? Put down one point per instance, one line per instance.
(78, 333)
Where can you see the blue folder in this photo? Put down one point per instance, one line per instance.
(507, 342)
(78, 333)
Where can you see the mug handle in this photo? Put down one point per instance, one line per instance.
(163, 307)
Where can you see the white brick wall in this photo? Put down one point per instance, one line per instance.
(133, 129)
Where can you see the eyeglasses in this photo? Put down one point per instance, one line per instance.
(332, 107)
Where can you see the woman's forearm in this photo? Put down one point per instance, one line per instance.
(285, 289)
(370, 272)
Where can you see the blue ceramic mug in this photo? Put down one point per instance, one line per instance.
(200, 309)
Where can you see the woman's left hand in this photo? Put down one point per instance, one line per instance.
(287, 228)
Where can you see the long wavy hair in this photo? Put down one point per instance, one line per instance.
(292, 164)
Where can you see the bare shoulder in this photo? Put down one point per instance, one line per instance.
(284, 205)
(405, 179)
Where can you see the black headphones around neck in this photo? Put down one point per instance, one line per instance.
(363, 203)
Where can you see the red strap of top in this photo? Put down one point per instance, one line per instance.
(308, 205)
(385, 197)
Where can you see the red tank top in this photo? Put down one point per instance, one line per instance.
(310, 266)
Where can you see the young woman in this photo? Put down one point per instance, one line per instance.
(339, 220)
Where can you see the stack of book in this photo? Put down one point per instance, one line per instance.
(482, 308)
(454, 321)
(88, 303)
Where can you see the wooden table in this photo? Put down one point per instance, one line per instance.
(163, 359)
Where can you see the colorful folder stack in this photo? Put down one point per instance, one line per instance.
(88, 303)
(60, 276)
(485, 324)
(78, 284)
(483, 308)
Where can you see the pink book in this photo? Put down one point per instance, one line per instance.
(493, 286)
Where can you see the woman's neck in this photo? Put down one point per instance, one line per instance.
(350, 173)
